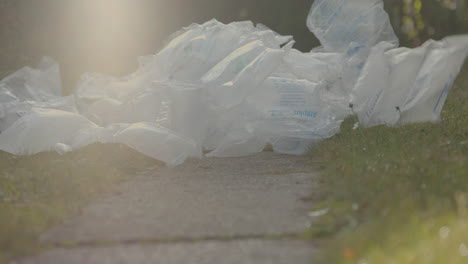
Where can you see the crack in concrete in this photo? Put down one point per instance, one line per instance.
(182, 240)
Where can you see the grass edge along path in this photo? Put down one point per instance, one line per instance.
(39, 191)
(396, 195)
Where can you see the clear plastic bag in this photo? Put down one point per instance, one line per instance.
(340, 23)
(400, 86)
(159, 143)
(41, 130)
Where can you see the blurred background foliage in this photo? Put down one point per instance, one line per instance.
(107, 36)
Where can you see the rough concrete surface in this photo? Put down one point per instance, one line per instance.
(227, 252)
(237, 210)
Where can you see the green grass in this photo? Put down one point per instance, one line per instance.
(397, 195)
(39, 191)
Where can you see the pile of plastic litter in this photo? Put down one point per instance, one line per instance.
(232, 89)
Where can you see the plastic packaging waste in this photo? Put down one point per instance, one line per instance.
(10, 112)
(350, 28)
(291, 115)
(159, 143)
(41, 130)
(412, 84)
(340, 23)
(434, 81)
(28, 84)
(30, 88)
(231, 89)
(245, 79)
(238, 144)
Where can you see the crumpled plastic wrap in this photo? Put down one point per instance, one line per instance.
(229, 90)
(402, 86)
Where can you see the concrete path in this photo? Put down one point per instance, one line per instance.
(242, 210)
